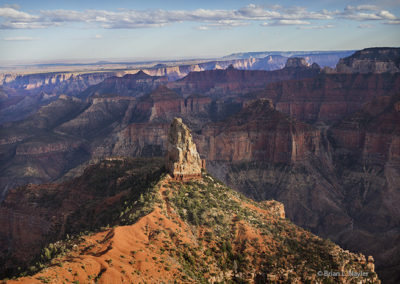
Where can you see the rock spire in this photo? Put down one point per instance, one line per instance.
(182, 161)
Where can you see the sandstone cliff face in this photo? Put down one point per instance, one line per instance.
(328, 97)
(163, 104)
(217, 83)
(182, 159)
(366, 154)
(371, 60)
(372, 134)
(259, 133)
(98, 117)
(142, 140)
(130, 85)
(68, 83)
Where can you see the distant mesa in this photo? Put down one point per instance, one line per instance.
(160, 65)
(371, 60)
(182, 161)
(296, 62)
(138, 75)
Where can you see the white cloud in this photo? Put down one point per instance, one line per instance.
(321, 27)
(387, 15)
(20, 38)
(13, 18)
(14, 14)
(394, 22)
(362, 16)
(25, 25)
(290, 22)
(361, 13)
(362, 8)
(203, 28)
(98, 36)
(223, 24)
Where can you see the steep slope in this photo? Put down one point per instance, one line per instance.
(32, 216)
(16, 105)
(202, 231)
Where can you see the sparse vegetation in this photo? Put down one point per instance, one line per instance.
(232, 239)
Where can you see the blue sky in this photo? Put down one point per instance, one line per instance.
(46, 30)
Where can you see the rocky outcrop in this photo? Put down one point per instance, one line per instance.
(182, 160)
(371, 60)
(142, 140)
(275, 208)
(296, 62)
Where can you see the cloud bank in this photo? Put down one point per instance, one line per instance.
(13, 18)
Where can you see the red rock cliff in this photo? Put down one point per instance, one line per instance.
(259, 132)
(329, 97)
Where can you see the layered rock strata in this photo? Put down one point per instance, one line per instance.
(182, 160)
(371, 60)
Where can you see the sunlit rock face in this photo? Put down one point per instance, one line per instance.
(182, 161)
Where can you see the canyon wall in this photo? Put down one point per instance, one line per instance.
(371, 60)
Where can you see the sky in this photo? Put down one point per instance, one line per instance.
(72, 30)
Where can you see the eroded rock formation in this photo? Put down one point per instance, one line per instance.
(182, 160)
(371, 60)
